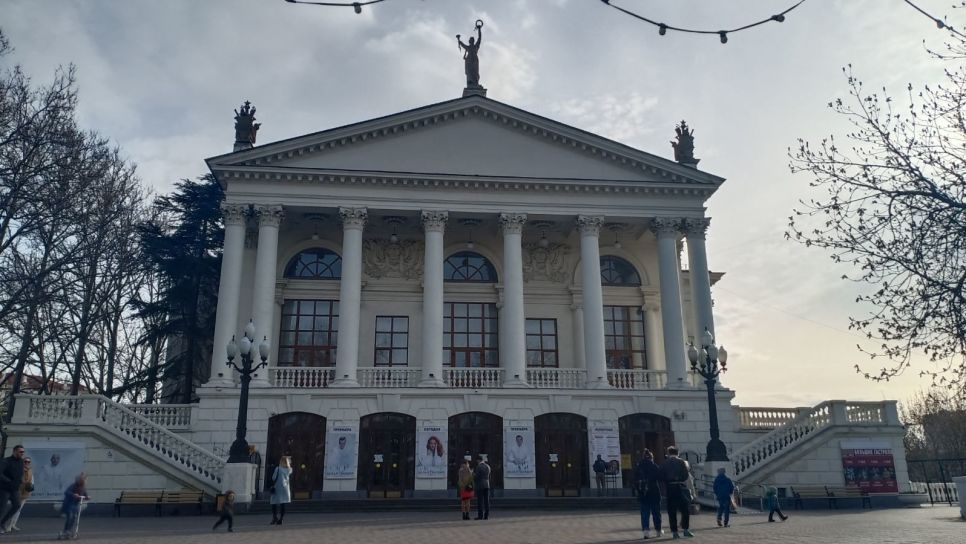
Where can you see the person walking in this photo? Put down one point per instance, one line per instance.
(774, 505)
(71, 507)
(723, 489)
(600, 467)
(464, 487)
(677, 474)
(11, 476)
(648, 478)
(26, 487)
(281, 491)
(227, 511)
(481, 480)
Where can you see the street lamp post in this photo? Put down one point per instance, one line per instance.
(238, 453)
(705, 363)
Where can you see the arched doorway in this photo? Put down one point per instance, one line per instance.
(639, 431)
(561, 454)
(473, 433)
(302, 436)
(387, 454)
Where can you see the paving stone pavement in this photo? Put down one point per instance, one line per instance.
(939, 525)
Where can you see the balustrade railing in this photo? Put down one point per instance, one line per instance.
(302, 377)
(389, 376)
(865, 412)
(786, 436)
(760, 419)
(170, 416)
(557, 378)
(637, 379)
(53, 408)
(473, 378)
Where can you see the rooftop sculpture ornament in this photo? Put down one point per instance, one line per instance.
(684, 146)
(471, 58)
(245, 127)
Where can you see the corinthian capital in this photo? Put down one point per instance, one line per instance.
(696, 227)
(269, 215)
(234, 214)
(666, 226)
(590, 224)
(512, 223)
(354, 218)
(434, 220)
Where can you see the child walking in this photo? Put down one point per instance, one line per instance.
(227, 511)
(71, 507)
(774, 506)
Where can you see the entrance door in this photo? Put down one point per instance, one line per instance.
(639, 431)
(471, 434)
(561, 454)
(301, 436)
(387, 450)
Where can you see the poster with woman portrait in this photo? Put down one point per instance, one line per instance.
(431, 450)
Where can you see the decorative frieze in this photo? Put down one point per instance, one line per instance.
(234, 214)
(354, 218)
(434, 220)
(545, 263)
(590, 224)
(269, 215)
(385, 259)
(697, 226)
(512, 223)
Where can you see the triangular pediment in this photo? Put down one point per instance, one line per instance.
(471, 136)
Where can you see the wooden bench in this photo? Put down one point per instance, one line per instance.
(835, 493)
(800, 492)
(185, 496)
(138, 497)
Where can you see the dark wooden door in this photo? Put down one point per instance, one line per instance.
(561, 454)
(471, 434)
(640, 431)
(302, 436)
(387, 449)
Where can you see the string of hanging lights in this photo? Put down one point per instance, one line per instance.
(357, 6)
(940, 24)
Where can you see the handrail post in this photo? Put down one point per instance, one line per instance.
(88, 410)
(840, 415)
(891, 411)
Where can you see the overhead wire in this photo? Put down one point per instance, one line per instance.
(940, 24)
(357, 6)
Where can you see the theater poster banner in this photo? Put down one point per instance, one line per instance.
(605, 441)
(55, 465)
(518, 452)
(431, 443)
(340, 450)
(868, 465)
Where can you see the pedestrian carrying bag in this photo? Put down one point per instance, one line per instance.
(274, 480)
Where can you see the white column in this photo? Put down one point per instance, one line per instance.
(350, 296)
(266, 263)
(513, 346)
(667, 233)
(652, 338)
(229, 291)
(696, 230)
(595, 357)
(434, 224)
(580, 361)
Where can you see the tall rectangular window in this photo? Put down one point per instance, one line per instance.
(392, 340)
(470, 335)
(542, 342)
(308, 333)
(624, 337)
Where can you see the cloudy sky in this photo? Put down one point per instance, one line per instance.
(161, 78)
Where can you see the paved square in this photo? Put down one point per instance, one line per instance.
(939, 525)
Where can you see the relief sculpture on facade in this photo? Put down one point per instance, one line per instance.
(385, 259)
(545, 263)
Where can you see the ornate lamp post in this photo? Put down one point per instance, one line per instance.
(238, 453)
(705, 363)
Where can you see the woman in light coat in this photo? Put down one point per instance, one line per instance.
(281, 491)
(464, 487)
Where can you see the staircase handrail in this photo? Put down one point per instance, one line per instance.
(781, 438)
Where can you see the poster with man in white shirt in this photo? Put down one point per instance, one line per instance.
(55, 465)
(518, 454)
(340, 452)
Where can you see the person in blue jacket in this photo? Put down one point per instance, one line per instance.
(648, 477)
(723, 489)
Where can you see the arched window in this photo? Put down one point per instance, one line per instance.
(315, 263)
(617, 271)
(468, 266)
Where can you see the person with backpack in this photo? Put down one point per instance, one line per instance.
(648, 477)
(723, 489)
(677, 476)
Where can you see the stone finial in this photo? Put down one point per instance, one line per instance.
(245, 127)
(684, 146)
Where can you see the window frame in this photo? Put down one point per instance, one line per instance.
(633, 323)
(391, 349)
(620, 262)
(541, 350)
(331, 271)
(485, 268)
(327, 351)
(489, 329)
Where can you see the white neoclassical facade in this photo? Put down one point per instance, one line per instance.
(460, 280)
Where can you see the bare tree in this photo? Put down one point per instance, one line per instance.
(894, 208)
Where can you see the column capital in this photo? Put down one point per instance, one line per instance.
(234, 213)
(666, 226)
(512, 223)
(269, 215)
(354, 218)
(434, 220)
(697, 227)
(590, 224)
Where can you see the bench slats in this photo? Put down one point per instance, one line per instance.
(160, 498)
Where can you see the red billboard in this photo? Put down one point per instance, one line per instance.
(869, 467)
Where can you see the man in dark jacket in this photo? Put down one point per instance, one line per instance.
(723, 488)
(481, 478)
(648, 477)
(677, 475)
(600, 467)
(11, 476)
